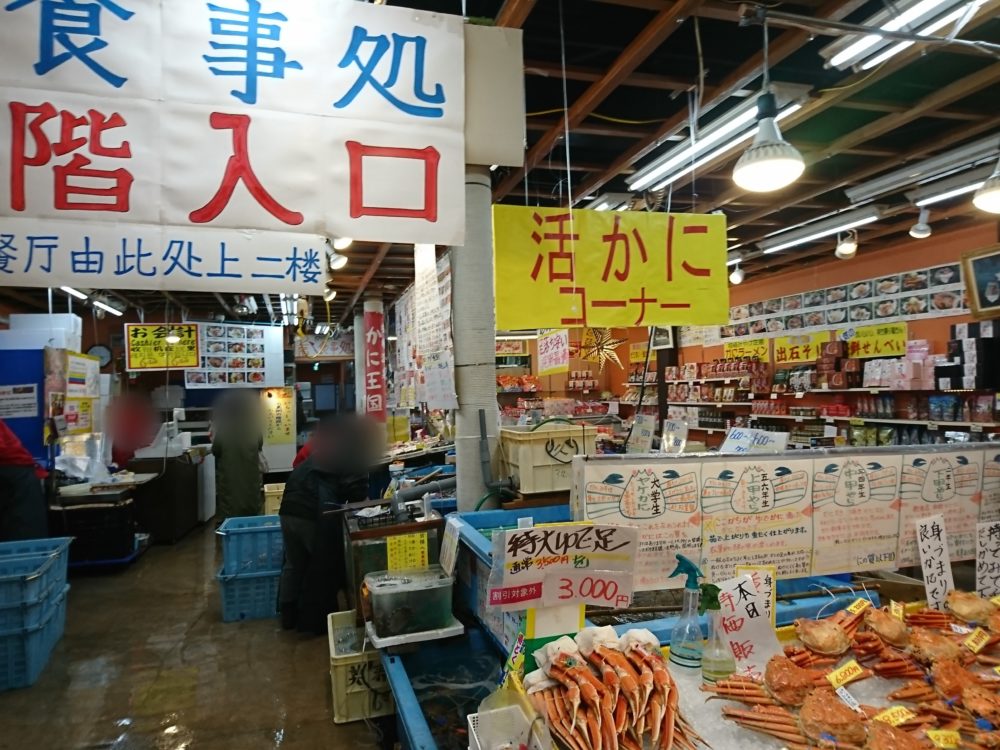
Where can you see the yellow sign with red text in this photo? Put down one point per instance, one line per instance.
(880, 340)
(845, 674)
(793, 350)
(608, 268)
(748, 348)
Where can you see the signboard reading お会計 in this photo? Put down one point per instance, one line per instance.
(179, 145)
(147, 348)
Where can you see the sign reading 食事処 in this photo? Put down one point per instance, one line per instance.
(880, 340)
(559, 269)
(174, 145)
(790, 350)
(566, 564)
(147, 348)
(750, 348)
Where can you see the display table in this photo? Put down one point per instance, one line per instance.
(166, 507)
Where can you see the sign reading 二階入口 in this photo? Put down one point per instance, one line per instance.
(558, 269)
(177, 145)
(147, 348)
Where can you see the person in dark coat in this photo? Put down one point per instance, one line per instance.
(23, 514)
(314, 570)
(237, 439)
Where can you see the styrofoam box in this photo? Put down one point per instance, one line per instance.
(360, 688)
(541, 461)
(30, 339)
(272, 498)
(67, 321)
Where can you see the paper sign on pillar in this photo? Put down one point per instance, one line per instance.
(548, 566)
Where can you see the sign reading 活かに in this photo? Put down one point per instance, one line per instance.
(174, 145)
(558, 269)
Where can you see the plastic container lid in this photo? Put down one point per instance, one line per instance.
(413, 579)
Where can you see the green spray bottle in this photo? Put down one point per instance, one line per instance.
(717, 662)
(685, 639)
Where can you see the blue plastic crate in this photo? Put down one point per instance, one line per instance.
(251, 544)
(57, 547)
(248, 596)
(25, 652)
(27, 614)
(26, 580)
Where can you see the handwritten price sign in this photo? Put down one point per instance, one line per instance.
(553, 351)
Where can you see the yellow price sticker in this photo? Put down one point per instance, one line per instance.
(995, 599)
(859, 605)
(845, 674)
(405, 551)
(897, 610)
(977, 641)
(944, 738)
(856, 422)
(895, 715)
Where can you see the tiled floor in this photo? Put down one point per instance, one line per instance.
(147, 663)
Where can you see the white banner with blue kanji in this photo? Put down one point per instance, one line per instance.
(240, 130)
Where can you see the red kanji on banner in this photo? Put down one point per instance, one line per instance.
(430, 156)
(375, 387)
(613, 240)
(561, 256)
(691, 229)
(238, 169)
(75, 180)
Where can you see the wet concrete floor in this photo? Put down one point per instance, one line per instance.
(148, 664)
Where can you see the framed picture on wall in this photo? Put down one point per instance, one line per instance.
(982, 281)
(663, 337)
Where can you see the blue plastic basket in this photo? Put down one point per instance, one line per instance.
(248, 596)
(25, 580)
(30, 613)
(251, 544)
(56, 547)
(25, 652)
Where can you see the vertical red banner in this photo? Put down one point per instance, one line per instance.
(375, 386)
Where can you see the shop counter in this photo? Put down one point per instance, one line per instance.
(475, 559)
(167, 506)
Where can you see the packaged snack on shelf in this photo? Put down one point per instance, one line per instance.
(982, 408)
(886, 435)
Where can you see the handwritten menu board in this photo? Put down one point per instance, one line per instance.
(765, 578)
(856, 513)
(564, 563)
(664, 506)
(237, 356)
(946, 484)
(553, 351)
(405, 551)
(912, 295)
(838, 512)
(746, 626)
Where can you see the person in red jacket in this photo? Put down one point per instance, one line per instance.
(22, 502)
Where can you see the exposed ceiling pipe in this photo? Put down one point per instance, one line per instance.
(226, 306)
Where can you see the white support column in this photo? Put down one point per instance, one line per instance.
(474, 333)
(359, 363)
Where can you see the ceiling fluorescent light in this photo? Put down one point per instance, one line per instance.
(985, 149)
(107, 308)
(905, 15)
(721, 135)
(819, 229)
(733, 257)
(517, 336)
(987, 197)
(608, 202)
(942, 190)
(73, 292)
(931, 28)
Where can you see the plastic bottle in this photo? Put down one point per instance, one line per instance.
(686, 644)
(717, 662)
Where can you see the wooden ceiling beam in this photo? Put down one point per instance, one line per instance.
(607, 130)
(27, 300)
(513, 13)
(653, 81)
(787, 43)
(647, 41)
(366, 278)
(576, 166)
(887, 108)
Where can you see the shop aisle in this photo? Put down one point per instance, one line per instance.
(147, 664)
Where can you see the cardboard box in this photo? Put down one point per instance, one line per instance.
(833, 349)
(836, 380)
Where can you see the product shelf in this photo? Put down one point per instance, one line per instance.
(718, 404)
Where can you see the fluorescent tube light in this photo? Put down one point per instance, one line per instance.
(107, 308)
(932, 28)
(609, 202)
(517, 336)
(963, 157)
(819, 229)
(689, 156)
(73, 292)
(943, 190)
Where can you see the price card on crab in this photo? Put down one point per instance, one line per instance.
(977, 640)
(988, 559)
(449, 546)
(566, 563)
(932, 543)
(764, 579)
(948, 739)
(897, 610)
(745, 625)
(895, 715)
(848, 673)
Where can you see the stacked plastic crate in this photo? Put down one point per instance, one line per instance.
(33, 593)
(252, 552)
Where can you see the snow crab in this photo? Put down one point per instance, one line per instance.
(951, 686)
(926, 647)
(968, 607)
(882, 630)
(784, 684)
(823, 720)
(824, 640)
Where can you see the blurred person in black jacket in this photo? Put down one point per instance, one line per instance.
(335, 474)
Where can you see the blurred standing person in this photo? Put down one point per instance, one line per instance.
(334, 474)
(237, 439)
(132, 424)
(23, 514)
